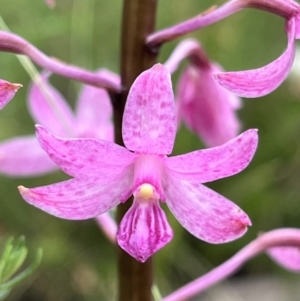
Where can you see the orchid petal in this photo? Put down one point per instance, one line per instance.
(188, 48)
(297, 26)
(261, 81)
(77, 199)
(7, 92)
(94, 111)
(85, 158)
(233, 99)
(203, 212)
(149, 121)
(206, 107)
(144, 230)
(287, 257)
(108, 226)
(23, 156)
(218, 162)
(49, 108)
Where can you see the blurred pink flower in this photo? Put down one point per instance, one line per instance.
(106, 174)
(7, 92)
(50, 3)
(23, 156)
(203, 105)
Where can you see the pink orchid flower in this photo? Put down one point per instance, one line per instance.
(264, 80)
(24, 157)
(7, 92)
(202, 104)
(92, 118)
(106, 174)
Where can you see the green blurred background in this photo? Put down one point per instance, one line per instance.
(79, 263)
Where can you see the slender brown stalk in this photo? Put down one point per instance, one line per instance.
(135, 278)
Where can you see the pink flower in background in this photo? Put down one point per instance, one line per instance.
(206, 107)
(106, 174)
(23, 156)
(202, 104)
(7, 92)
(50, 3)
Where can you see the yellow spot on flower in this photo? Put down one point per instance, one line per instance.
(22, 189)
(146, 191)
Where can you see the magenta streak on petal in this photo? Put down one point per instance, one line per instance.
(287, 257)
(7, 92)
(144, 229)
(79, 199)
(149, 121)
(85, 158)
(215, 163)
(203, 212)
(23, 156)
(261, 81)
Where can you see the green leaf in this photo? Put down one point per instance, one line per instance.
(14, 255)
(4, 294)
(7, 250)
(20, 277)
(156, 293)
(15, 259)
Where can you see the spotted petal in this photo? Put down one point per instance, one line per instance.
(7, 92)
(262, 81)
(149, 121)
(218, 162)
(78, 199)
(203, 212)
(85, 158)
(144, 230)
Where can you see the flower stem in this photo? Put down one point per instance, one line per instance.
(289, 237)
(13, 43)
(135, 278)
(36, 78)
